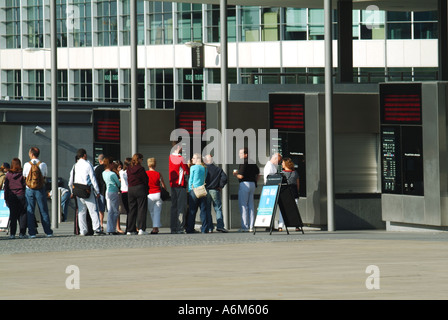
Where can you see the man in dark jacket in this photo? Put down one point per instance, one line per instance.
(214, 182)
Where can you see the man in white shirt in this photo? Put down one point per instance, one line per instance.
(271, 167)
(38, 196)
(83, 173)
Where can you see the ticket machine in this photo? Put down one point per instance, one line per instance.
(413, 154)
(287, 115)
(106, 133)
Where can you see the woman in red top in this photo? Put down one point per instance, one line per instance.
(155, 180)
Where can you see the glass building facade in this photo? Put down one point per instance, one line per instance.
(93, 24)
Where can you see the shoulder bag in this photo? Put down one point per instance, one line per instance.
(80, 190)
(200, 192)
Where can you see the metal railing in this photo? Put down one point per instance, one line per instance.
(311, 77)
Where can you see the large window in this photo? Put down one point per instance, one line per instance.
(107, 86)
(161, 89)
(34, 24)
(189, 22)
(372, 24)
(160, 22)
(62, 87)
(425, 25)
(126, 87)
(316, 24)
(295, 24)
(270, 24)
(250, 24)
(399, 25)
(191, 84)
(125, 21)
(81, 25)
(106, 23)
(81, 83)
(12, 85)
(34, 85)
(61, 23)
(10, 26)
(213, 24)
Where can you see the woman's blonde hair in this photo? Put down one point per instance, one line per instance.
(152, 163)
(199, 156)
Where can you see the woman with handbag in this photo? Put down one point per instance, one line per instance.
(198, 195)
(155, 183)
(137, 196)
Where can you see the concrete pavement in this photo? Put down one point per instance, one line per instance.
(235, 266)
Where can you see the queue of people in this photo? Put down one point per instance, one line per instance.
(127, 187)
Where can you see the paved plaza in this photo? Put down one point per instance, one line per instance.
(344, 265)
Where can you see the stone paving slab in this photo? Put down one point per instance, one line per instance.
(234, 266)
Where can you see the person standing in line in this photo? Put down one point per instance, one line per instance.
(124, 187)
(247, 174)
(14, 186)
(113, 185)
(292, 176)
(83, 173)
(198, 172)
(178, 169)
(214, 182)
(3, 170)
(101, 200)
(270, 168)
(155, 202)
(119, 169)
(38, 195)
(137, 196)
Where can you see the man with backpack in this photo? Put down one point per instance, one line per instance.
(35, 173)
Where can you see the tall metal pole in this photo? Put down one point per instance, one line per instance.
(329, 111)
(134, 77)
(224, 100)
(54, 117)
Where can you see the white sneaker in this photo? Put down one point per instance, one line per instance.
(142, 232)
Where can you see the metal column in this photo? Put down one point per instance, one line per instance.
(224, 101)
(54, 117)
(134, 77)
(329, 111)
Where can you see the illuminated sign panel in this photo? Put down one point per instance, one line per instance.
(287, 112)
(186, 119)
(401, 104)
(107, 126)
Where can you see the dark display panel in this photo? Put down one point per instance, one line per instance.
(292, 145)
(106, 133)
(287, 112)
(402, 160)
(106, 126)
(401, 103)
(186, 113)
(391, 160)
(108, 149)
(412, 159)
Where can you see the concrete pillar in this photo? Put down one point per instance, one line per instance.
(345, 41)
(443, 39)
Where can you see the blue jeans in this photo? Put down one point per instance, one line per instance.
(39, 196)
(65, 200)
(246, 203)
(206, 218)
(215, 197)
